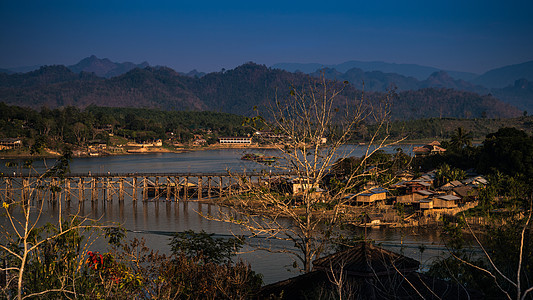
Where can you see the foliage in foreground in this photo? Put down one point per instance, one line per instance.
(64, 268)
(496, 260)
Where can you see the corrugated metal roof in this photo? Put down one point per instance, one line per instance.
(425, 192)
(365, 259)
(449, 198)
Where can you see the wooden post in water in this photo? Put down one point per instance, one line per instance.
(200, 188)
(134, 189)
(145, 189)
(67, 189)
(108, 189)
(229, 186)
(168, 188)
(156, 187)
(53, 188)
(81, 188)
(121, 190)
(176, 188)
(209, 187)
(93, 189)
(25, 185)
(220, 187)
(39, 193)
(186, 188)
(9, 186)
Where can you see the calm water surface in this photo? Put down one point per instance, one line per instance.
(155, 221)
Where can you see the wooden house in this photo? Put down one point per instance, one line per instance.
(451, 185)
(10, 143)
(429, 149)
(467, 193)
(371, 196)
(446, 201)
(367, 272)
(426, 204)
(414, 197)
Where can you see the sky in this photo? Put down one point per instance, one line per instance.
(459, 35)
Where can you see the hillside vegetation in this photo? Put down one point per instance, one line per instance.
(233, 91)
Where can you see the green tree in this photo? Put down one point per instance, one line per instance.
(509, 151)
(460, 140)
(204, 245)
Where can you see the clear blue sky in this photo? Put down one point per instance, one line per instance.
(458, 35)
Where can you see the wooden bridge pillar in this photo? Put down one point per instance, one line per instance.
(168, 188)
(94, 191)
(134, 189)
(145, 189)
(9, 189)
(121, 189)
(220, 187)
(67, 189)
(53, 190)
(81, 190)
(176, 188)
(209, 187)
(200, 188)
(156, 187)
(25, 189)
(186, 188)
(107, 191)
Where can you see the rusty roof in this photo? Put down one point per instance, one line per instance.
(367, 260)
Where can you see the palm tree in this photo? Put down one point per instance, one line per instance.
(460, 139)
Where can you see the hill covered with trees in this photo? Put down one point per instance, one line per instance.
(232, 91)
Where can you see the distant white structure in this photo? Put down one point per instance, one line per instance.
(235, 140)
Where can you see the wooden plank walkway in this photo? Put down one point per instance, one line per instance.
(134, 186)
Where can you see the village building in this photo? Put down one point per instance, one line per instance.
(451, 185)
(10, 143)
(405, 176)
(416, 197)
(429, 149)
(476, 181)
(371, 196)
(446, 201)
(410, 187)
(467, 193)
(367, 272)
(235, 140)
(199, 140)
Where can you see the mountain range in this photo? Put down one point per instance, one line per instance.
(234, 91)
(409, 70)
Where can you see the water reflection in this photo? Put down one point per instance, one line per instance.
(156, 220)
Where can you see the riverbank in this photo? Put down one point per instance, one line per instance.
(48, 153)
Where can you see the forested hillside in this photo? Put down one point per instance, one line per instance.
(233, 91)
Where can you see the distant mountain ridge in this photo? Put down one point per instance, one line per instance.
(378, 81)
(104, 67)
(100, 67)
(495, 78)
(235, 91)
(505, 76)
(409, 70)
(500, 82)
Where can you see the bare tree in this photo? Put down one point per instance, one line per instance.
(23, 240)
(495, 271)
(312, 125)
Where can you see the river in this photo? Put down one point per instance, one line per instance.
(155, 220)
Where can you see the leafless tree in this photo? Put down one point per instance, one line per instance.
(495, 271)
(312, 125)
(20, 240)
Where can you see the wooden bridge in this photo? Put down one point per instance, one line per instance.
(135, 186)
